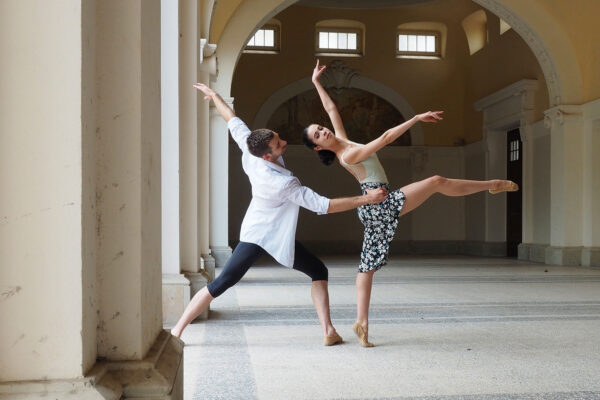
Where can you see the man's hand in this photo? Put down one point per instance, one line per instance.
(430, 116)
(376, 196)
(209, 93)
(317, 72)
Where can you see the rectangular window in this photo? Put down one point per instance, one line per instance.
(265, 39)
(514, 150)
(411, 43)
(338, 41)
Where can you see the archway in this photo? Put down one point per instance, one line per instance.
(357, 82)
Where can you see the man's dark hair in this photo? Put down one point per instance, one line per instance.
(258, 142)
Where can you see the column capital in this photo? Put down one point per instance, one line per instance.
(556, 116)
(206, 57)
(228, 100)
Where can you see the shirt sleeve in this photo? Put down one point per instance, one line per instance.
(306, 197)
(239, 131)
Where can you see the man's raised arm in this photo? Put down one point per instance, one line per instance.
(222, 107)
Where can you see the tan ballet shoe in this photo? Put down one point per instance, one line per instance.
(332, 339)
(362, 335)
(508, 186)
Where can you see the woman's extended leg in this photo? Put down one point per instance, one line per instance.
(417, 192)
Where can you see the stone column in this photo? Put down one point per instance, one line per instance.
(175, 287)
(567, 139)
(495, 206)
(526, 248)
(47, 274)
(188, 136)
(191, 258)
(591, 185)
(206, 70)
(80, 227)
(219, 174)
(143, 358)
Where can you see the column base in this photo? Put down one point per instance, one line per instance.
(590, 256)
(207, 262)
(158, 376)
(175, 297)
(563, 255)
(98, 384)
(198, 280)
(221, 254)
(532, 252)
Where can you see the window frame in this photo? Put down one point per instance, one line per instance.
(352, 52)
(420, 54)
(266, 49)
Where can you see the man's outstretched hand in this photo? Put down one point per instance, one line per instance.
(208, 92)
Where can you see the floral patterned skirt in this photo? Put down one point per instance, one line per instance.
(380, 221)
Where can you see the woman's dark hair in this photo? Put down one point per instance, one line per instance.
(326, 156)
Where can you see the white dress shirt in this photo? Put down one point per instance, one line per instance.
(272, 216)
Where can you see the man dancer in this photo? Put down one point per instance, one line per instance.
(270, 222)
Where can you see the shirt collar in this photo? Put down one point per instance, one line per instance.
(277, 167)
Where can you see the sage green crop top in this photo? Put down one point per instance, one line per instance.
(368, 170)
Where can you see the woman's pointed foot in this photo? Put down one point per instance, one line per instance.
(505, 186)
(362, 335)
(332, 339)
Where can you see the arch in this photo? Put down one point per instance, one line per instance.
(356, 82)
(529, 19)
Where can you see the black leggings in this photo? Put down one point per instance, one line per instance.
(246, 254)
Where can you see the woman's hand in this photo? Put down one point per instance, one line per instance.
(430, 116)
(376, 196)
(209, 93)
(318, 71)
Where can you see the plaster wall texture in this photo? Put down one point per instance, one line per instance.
(41, 202)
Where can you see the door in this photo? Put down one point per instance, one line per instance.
(514, 205)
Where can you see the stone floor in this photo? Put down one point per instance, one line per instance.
(445, 328)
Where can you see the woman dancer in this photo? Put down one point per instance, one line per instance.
(380, 220)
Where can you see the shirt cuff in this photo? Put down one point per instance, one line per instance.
(324, 206)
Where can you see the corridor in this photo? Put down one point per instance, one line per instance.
(445, 328)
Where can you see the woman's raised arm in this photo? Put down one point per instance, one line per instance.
(360, 153)
(328, 104)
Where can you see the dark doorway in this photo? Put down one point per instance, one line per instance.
(514, 206)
